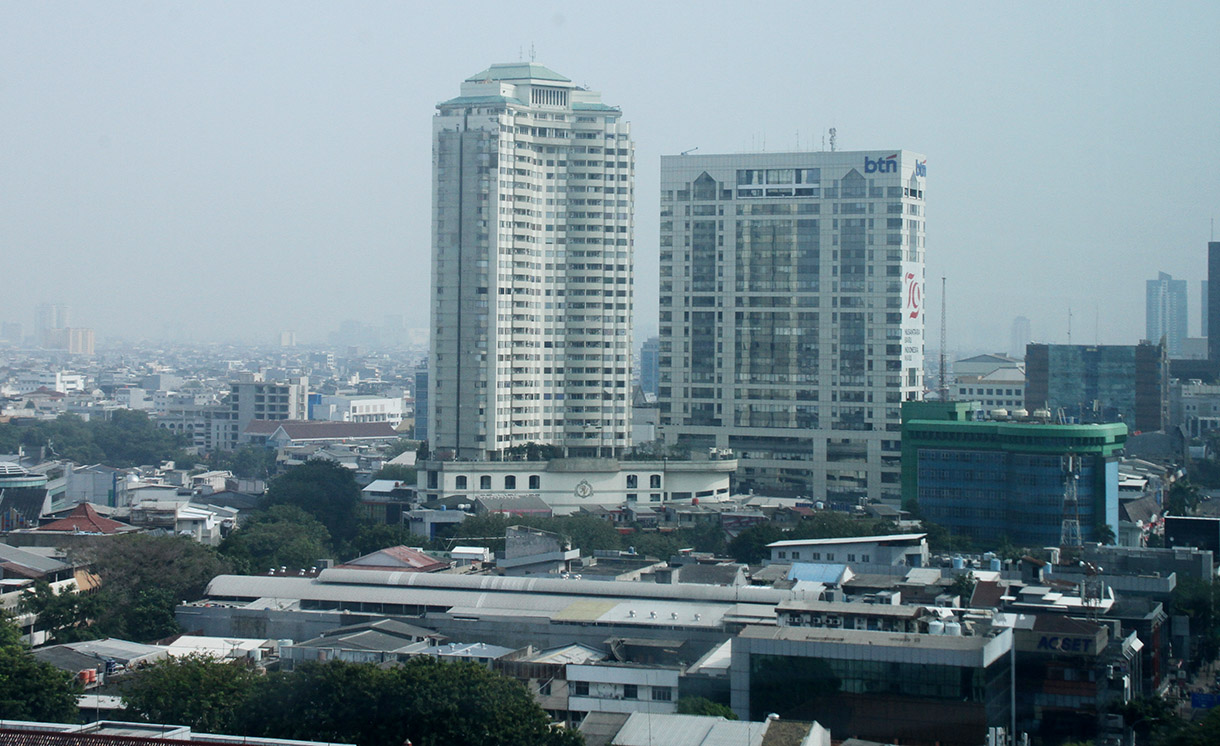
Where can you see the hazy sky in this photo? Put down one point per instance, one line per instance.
(227, 170)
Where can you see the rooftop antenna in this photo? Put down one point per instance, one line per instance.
(944, 386)
(1069, 528)
(520, 54)
(1069, 324)
(688, 152)
(833, 132)
(532, 54)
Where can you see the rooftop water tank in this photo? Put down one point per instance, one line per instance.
(936, 627)
(953, 629)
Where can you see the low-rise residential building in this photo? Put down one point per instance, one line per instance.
(1002, 388)
(347, 408)
(567, 485)
(906, 550)
(621, 687)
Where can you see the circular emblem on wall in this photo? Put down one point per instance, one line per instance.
(584, 489)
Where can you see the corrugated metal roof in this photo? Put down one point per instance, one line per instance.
(829, 574)
(881, 539)
(570, 607)
(546, 585)
(644, 729)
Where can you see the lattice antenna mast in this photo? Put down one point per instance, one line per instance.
(944, 380)
(1069, 531)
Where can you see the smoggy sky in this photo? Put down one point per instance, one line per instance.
(227, 170)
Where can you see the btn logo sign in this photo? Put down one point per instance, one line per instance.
(921, 167)
(886, 165)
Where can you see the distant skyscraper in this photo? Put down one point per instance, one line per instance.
(791, 314)
(1203, 304)
(531, 267)
(11, 332)
(50, 318)
(1018, 337)
(1213, 302)
(1165, 319)
(1100, 383)
(649, 365)
(421, 402)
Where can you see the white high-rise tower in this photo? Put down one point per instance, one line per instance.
(532, 183)
(791, 314)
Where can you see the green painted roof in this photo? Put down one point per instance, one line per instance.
(476, 100)
(594, 107)
(518, 71)
(1109, 430)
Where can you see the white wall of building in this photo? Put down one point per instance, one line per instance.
(567, 485)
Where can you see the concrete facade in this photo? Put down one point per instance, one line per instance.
(567, 485)
(533, 180)
(791, 314)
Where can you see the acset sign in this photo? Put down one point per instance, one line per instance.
(1066, 644)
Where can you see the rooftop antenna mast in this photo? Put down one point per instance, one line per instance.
(1069, 530)
(832, 139)
(944, 386)
(532, 54)
(1069, 324)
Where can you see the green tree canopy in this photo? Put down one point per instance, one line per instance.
(375, 536)
(281, 535)
(127, 438)
(750, 546)
(198, 691)
(1183, 498)
(325, 490)
(704, 706)
(66, 614)
(397, 472)
(143, 578)
(426, 701)
(29, 688)
(247, 462)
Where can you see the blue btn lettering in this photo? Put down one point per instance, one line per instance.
(887, 165)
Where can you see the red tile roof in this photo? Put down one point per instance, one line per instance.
(85, 519)
(398, 559)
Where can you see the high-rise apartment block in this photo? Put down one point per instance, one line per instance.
(650, 355)
(1165, 317)
(252, 398)
(531, 267)
(1100, 383)
(1019, 335)
(791, 314)
(1212, 303)
(50, 318)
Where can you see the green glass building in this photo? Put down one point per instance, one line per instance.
(993, 479)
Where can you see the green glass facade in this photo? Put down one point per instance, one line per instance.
(992, 479)
(883, 700)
